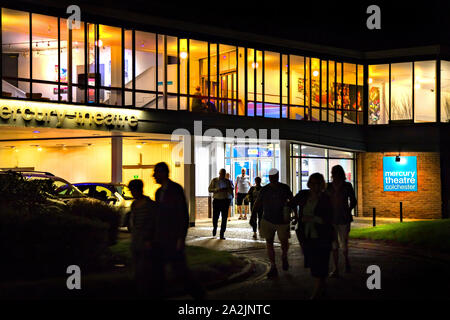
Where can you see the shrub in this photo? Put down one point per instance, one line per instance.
(97, 210)
(18, 192)
(40, 243)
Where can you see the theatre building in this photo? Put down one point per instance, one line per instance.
(107, 99)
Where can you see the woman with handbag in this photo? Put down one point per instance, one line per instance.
(314, 230)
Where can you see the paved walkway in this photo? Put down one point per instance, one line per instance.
(405, 273)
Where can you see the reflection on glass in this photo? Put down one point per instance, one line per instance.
(425, 91)
(445, 91)
(401, 91)
(379, 94)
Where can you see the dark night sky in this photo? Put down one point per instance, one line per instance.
(338, 23)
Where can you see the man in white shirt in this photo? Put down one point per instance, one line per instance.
(221, 189)
(242, 187)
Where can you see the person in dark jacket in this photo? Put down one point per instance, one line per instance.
(143, 219)
(171, 231)
(256, 215)
(314, 229)
(343, 200)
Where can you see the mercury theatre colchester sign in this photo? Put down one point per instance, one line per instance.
(400, 175)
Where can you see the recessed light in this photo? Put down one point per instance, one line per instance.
(36, 131)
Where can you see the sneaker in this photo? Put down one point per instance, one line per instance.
(255, 236)
(273, 272)
(214, 232)
(244, 218)
(240, 218)
(222, 238)
(285, 264)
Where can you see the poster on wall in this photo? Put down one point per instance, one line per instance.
(400, 173)
(374, 105)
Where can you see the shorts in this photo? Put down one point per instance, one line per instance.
(267, 230)
(341, 236)
(240, 197)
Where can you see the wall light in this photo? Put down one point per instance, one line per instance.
(255, 65)
(183, 54)
(370, 80)
(315, 73)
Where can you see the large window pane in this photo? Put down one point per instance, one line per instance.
(308, 151)
(310, 166)
(272, 65)
(145, 63)
(16, 53)
(349, 93)
(297, 80)
(331, 90)
(339, 92)
(360, 97)
(172, 76)
(198, 73)
(379, 94)
(110, 46)
(425, 91)
(445, 91)
(401, 91)
(72, 65)
(252, 65)
(241, 81)
(227, 79)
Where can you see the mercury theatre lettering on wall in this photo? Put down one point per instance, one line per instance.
(56, 115)
(400, 175)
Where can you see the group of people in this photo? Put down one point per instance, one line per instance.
(321, 215)
(159, 230)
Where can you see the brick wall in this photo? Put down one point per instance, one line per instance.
(201, 208)
(423, 204)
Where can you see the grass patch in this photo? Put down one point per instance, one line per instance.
(425, 234)
(208, 266)
(198, 258)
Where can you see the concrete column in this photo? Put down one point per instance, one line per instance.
(189, 176)
(116, 159)
(285, 160)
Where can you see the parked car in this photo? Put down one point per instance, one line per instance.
(116, 194)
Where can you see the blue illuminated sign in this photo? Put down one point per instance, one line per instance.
(400, 175)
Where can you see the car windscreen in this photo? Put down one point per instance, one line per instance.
(63, 189)
(125, 192)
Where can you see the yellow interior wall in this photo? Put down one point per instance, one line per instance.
(152, 153)
(75, 164)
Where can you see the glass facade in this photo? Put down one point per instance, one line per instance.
(306, 160)
(405, 91)
(108, 65)
(44, 60)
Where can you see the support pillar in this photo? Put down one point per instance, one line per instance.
(189, 176)
(285, 161)
(116, 159)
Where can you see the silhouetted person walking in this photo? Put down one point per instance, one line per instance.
(343, 200)
(314, 229)
(273, 199)
(172, 226)
(256, 215)
(143, 219)
(221, 188)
